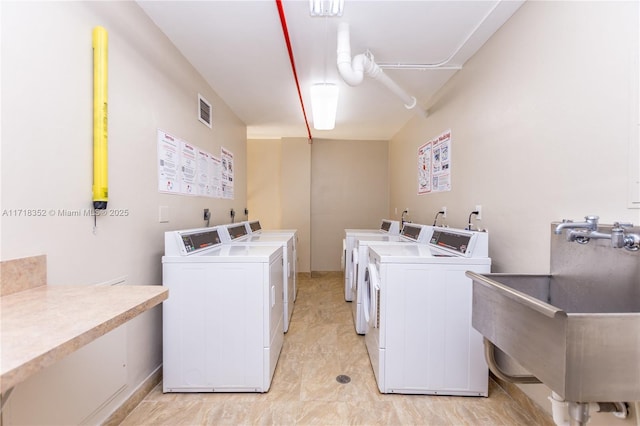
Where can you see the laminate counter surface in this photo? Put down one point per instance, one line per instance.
(43, 324)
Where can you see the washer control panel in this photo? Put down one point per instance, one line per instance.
(237, 231)
(460, 242)
(197, 241)
(190, 241)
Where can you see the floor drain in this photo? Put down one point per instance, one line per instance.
(343, 379)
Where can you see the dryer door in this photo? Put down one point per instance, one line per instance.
(370, 296)
(353, 285)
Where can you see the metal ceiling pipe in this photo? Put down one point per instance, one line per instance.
(353, 70)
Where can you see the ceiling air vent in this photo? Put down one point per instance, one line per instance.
(204, 111)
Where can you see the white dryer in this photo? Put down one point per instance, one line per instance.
(240, 233)
(411, 233)
(387, 227)
(222, 323)
(255, 227)
(418, 305)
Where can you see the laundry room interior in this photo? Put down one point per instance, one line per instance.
(150, 145)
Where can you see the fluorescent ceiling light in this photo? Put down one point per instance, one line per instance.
(326, 7)
(324, 105)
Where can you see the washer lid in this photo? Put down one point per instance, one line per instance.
(231, 253)
(266, 238)
(373, 238)
(420, 253)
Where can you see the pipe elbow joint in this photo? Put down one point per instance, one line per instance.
(352, 72)
(413, 104)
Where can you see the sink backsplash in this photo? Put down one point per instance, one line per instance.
(596, 267)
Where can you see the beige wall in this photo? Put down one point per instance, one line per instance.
(319, 189)
(264, 175)
(47, 164)
(279, 179)
(542, 118)
(349, 189)
(296, 198)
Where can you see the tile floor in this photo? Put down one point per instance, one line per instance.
(320, 345)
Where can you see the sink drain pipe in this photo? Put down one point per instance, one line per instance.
(564, 413)
(577, 413)
(490, 356)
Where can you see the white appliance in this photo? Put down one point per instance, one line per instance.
(411, 233)
(222, 322)
(239, 233)
(255, 227)
(387, 227)
(418, 305)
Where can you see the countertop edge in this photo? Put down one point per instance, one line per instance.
(18, 374)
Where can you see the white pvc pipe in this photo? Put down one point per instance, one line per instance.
(562, 417)
(559, 410)
(353, 70)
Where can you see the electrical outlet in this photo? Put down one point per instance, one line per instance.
(479, 210)
(444, 211)
(207, 214)
(232, 213)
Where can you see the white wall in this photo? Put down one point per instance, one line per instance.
(47, 73)
(542, 120)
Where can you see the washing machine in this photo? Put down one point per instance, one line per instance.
(240, 233)
(387, 227)
(222, 324)
(254, 227)
(418, 305)
(411, 233)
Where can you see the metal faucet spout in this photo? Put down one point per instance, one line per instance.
(590, 223)
(585, 236)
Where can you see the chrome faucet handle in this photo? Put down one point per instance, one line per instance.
(632, 242)
(617, 236)
(593, 221)
(622, 225)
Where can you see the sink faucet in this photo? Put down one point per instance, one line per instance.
(590, 223)
(583, 232)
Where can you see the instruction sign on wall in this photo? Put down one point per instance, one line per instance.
(434, 164)
(185, 169)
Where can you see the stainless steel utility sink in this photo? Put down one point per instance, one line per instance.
(584, 346)
(577, 330)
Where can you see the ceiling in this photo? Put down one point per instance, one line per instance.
(239, 48)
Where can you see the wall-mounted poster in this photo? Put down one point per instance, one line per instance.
(434, 164)
(227, 173)
(204, 180)
(188, 169)
(185, 169)
(424, 168)
(216, 176)
(168, 162)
